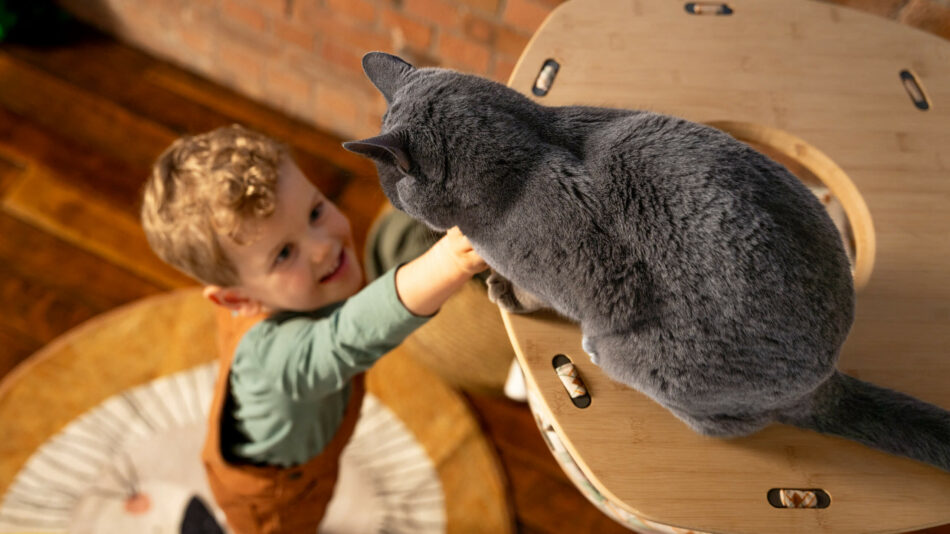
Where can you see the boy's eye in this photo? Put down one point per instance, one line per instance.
(283, 255)
(315, 212)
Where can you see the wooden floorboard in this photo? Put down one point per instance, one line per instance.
(90, 171)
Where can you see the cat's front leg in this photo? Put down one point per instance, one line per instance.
(510, 297)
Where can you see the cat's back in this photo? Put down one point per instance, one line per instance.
(727, 233)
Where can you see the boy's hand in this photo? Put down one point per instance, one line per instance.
(425, 283)
(459, 252)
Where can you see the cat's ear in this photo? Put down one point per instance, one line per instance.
(387, 72)
(386, 147)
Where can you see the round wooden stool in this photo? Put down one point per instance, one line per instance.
(861, 103)
(101, 431)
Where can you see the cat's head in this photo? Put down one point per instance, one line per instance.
(451, 144)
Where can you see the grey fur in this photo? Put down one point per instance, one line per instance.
(702, 273)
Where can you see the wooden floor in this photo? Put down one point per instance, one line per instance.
(79, 128)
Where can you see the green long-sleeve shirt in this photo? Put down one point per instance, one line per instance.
(291, 373)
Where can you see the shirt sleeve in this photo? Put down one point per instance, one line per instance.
(289, 378)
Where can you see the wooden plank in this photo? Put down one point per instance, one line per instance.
(66, 269)
(90, 171)
(36, 311)
(14, 348)
(87, 119)
(116, 72)
(49, 286)
(89, 223)
(11, 170)
(267, 120)
(102, 66)
(775, 68)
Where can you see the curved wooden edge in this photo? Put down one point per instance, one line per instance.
(830, 174)
(650, 464)
(529, 366)
(470, 472)
(58, 344)
(67, 377)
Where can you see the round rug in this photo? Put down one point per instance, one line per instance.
(101, 432)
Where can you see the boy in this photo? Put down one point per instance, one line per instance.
(231, 209)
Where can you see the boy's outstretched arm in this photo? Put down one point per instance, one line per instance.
(425, 283)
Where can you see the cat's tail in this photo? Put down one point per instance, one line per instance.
(877, 417)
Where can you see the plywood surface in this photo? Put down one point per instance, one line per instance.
(821, 83)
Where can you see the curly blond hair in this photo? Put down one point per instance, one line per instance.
(206, 186)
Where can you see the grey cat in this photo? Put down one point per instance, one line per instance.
(702, 273)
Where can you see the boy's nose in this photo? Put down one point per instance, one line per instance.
(320, 251)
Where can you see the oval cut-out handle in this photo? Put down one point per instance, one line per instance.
(798, 498)
(571, 380)
(915, 90)
(707, 8)
(545, 79)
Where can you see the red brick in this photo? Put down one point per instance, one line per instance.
(360, 10)
(287, 88)
(296, 35)
(464, 54)
(416, 34)
(490, 6)
(242, 66)
(440, 12)
(244, 14)
(339, 108)
(511, 42)
(344, 58)
(525, 15)
(502, 69)
(196, 39)
(344, 32)
(478, 29)
(240, 31)
(276, 8)
(927, 15)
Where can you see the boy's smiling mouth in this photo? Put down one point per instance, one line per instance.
(337, 268)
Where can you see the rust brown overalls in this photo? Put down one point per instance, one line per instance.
(270, 499)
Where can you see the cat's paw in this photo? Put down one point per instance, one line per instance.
(509, 297)
(502, 292)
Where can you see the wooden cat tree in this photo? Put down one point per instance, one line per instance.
(858, 101)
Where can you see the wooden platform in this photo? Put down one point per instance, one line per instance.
(79, 128)
(823, 86)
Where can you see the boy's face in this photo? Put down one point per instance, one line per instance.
(300, 258)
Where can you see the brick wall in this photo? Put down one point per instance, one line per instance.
(303, 56)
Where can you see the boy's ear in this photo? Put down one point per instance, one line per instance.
(233, 299)
(386, 147)
(387, 72)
